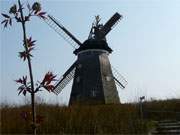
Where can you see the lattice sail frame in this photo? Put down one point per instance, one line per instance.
(65, 79)
(62, 31)
(69, 75)
(119, 79)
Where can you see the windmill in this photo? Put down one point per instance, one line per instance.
(93, 76)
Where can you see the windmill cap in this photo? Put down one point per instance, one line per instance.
(93, 44)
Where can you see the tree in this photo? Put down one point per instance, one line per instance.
(26, 84)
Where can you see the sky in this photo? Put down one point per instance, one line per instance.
(145, 43)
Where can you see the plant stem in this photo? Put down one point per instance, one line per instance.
(30, 70)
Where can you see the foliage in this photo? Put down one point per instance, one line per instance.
(17, 13)
(29, 45)
(14, 13)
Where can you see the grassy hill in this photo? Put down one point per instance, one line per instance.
(98, 119)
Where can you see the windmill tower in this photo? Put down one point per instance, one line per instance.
(93, 77)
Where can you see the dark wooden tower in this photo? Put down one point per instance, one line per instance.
(93, 81)
(93, 78)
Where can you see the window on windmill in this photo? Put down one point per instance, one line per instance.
(78, 79)
(108, 78)
(93, 93)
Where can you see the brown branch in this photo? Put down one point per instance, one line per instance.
(30, 69)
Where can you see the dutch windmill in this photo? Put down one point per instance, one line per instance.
(93, 77)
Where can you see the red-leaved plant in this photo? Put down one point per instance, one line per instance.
(26, 85)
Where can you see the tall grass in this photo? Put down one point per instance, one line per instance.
(97, 119)
(162, 109)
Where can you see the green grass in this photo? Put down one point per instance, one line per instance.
(98, 119)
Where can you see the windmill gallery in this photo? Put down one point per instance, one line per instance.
(94, 79)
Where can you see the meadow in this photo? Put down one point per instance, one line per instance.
(97, 119)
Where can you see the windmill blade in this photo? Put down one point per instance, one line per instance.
(119, 79)
(65, 79)
(110, 24)
(62, 31)
(119, 83)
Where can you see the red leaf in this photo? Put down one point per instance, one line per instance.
(25, 87)
(5, 15)
(49, 87)
(22, 81)
(43, 17)
(19, 81)
(49, 77)
(4, 21)
(23, 55)
(30, 42)
(5, 25)
(24, 92)
(36, 7)
(46, 83)
(41, 13)
(13, 9)
(36, 11)
(30, 55)
(20, 90)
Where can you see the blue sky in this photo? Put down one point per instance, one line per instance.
(146, 46)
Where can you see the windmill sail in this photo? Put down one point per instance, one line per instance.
(110, 24)
(119, 79)
(62, 31)
(65, 79)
